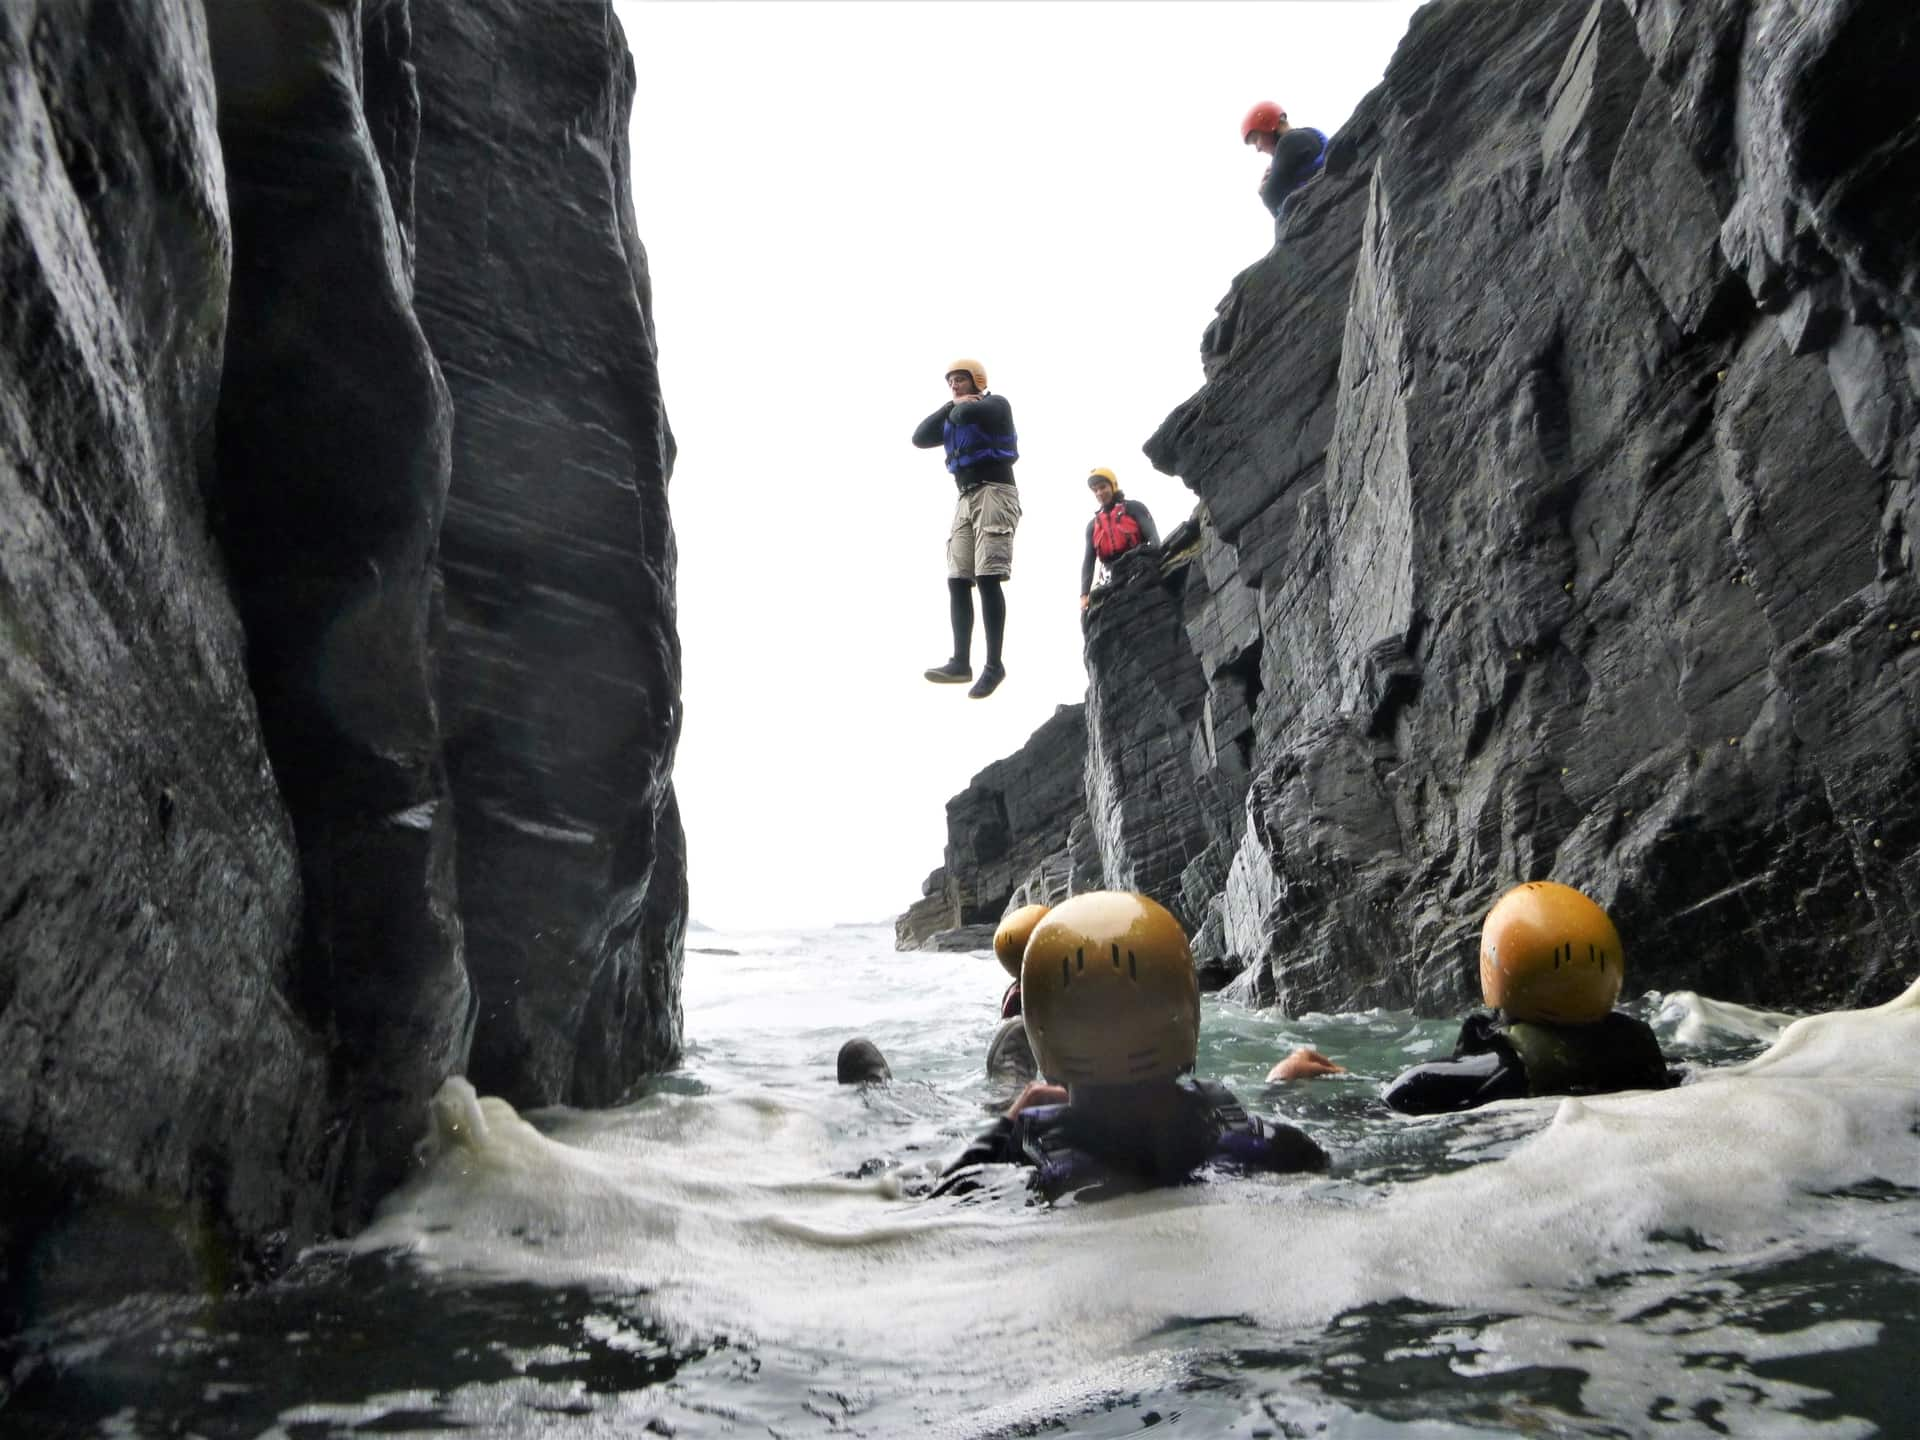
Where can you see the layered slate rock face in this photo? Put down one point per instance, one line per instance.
(560, 678)
(1017, 835)
(1578, 527)
(333, 437)
(230, 891)
(1556, 478)
(154, 1078)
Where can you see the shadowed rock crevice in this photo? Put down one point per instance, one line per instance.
(333, 439)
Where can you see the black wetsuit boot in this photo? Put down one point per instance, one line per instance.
(959, 669)
(993, 610)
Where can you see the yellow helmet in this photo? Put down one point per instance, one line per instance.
(1108, 992)
(1010, 940)
(1104, 474)
(1547, 952)
(973, 368)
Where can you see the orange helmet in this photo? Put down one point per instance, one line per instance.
(970, 367)
(1548, 952)
(1264, 116)
(1010, 940)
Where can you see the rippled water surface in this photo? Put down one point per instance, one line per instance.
(746, 1249)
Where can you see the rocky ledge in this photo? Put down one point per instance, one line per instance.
(1555, 474)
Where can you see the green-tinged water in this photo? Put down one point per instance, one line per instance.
(744, 1250)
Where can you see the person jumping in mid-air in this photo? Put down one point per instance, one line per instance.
(1119, 525)
(977, 429)
(1296, 153)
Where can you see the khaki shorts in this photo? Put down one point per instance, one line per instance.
(981, 541)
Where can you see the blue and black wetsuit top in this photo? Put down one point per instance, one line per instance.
(1299, 155)
(1070, 1149)
(979, 437)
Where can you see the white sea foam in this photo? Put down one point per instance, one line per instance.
(719, 1207)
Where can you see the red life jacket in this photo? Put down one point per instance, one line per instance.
(1115, 532)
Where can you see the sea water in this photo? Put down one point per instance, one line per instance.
(748, 1248)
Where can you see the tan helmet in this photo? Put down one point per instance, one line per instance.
(1010, 940)
(1108, 992)
(1103, 474)
(1547, 952)
(973, 368)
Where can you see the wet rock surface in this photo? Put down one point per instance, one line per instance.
(277, 626)
(332, 446)
(1555, 475)
(149, 882)
(559, 679)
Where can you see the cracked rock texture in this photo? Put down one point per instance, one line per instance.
(329, 768)
(1556, 478)
(560, 676)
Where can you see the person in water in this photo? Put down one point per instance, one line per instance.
(1295, 154)
(976, 427)
(1118, 525)
(861, 1063)
(1112, 1009)
(1551, 965)
(1009, 1052)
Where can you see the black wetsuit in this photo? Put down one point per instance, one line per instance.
(1496, 1060)
(1148, 536)
(1297, 158)
(1070, 1149)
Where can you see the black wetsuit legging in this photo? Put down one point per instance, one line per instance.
(993, 610)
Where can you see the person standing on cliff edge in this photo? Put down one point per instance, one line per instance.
(1118, 525)
(977, 429)
(1297, 154)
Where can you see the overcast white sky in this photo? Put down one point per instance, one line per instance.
(837, 199)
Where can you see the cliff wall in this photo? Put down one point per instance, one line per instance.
(1555, 475)
(328, 767)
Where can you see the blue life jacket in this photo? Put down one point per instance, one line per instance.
(970, 444)
(1222, 1134)
(1320, 160)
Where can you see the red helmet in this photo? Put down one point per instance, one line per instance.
(1264, 116)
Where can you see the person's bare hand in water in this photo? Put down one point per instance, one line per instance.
(1304, 1064)
(1038, 1092)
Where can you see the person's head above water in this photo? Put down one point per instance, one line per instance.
(1109, 992)
(1105, 487)
(861, 1063)
(1010, 939)
(966, 377)
(1263, 126)
(1549, 953)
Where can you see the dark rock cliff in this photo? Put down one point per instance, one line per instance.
(1018, 834)
(152, 1049)
(331, 473)
(323, 746)
(560, 677)
(1555, 475)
